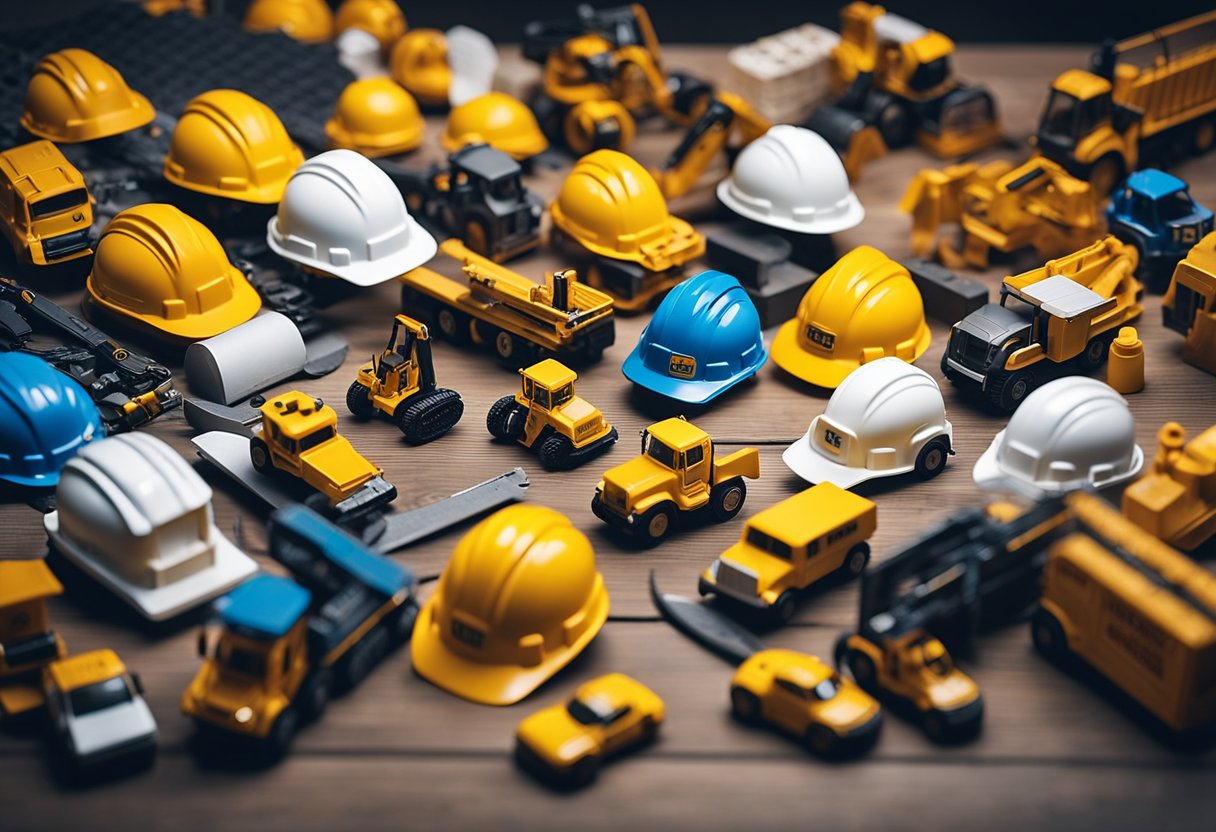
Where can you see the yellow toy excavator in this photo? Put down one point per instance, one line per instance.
(726, 114)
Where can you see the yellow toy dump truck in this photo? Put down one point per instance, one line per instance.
(1139, 612)
(677, 473)
(792, 545)
(1061, 315)
(1189, 305)
(27, 642)
(520, 320)
(1002, 207)
(44, 205)
(1176, 500)
(299, 435)
(1148, 98)
(546, 416)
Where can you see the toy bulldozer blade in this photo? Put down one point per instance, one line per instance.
(856, 142)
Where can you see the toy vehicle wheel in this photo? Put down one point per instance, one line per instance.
(745, 705)
(359, 662)
(655, 525)
(505, 419)
(283, 732)
(650, 730)
(359, 400)
(402, 626)
(821, 740)
(932, 458)
(726, 499)
(453, 325)
(475, 238)
(856, 560)
(555, 453)
(424, 418)
(584, 771)
(934, 726)
(510, 349)
(895, 124)
(259, 455)
(1106, 173)
(315, 697)
(785, 607)
(1095, 353)
(1205, 136)
(1009, 389)
(863, 670)
(1048, 635)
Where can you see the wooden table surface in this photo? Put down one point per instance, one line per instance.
(400, 753)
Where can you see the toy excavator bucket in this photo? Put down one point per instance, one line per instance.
(934, 197)
(856, 142)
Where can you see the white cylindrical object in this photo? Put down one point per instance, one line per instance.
(246, 359)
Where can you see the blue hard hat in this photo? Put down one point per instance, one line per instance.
(45, 418)
(703, 339)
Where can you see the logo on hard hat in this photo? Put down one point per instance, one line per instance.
(820, 337)
(831, 440)
(682, 366)
(469, 635)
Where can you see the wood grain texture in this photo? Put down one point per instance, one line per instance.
(398, 752)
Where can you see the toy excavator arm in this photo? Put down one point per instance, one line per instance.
(726, 113)
(933, 198)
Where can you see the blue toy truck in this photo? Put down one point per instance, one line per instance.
(1154, 212)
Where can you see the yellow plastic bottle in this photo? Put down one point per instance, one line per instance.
(1125, 371)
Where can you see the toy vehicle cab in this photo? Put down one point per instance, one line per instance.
(789, 546)
(27, 642)
(547, 416)
(44, 205)
(676, 473)
(98, 712)
(804, 697)
(1154, 212)
(566, 743)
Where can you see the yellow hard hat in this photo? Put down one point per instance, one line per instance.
(503, 122)
(376, 117)
(159, 267)
(382, 19)
(231, 145)
(75, 96)
(519, 599)
(419, 62)
(611, 205)
(308, 21)
(863, 308)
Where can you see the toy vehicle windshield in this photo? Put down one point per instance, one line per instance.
(660, 453)
(563, 395)
(1174, 207)
(58, 203)
(245, 662)
(826, 689)
(315, 439)
(99, 696)
(590, 711)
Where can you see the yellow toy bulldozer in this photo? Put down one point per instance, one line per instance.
(400, 384)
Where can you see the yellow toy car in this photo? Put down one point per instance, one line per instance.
(565, 744)
(808, 699)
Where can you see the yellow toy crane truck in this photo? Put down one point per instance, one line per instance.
(725, 114)
(1176, 500)
(545, 415)
(400, 384)
(1148, 98)
(792, 545)
(1189, 305)
(898, 87)
(522, 321)
(1063, 314)
(677, 473)
(27, 642)
(1002, 207)
(299, 435)
(44, 205)
(1139, 612)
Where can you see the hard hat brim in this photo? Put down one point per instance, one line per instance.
(689, 392)
(486, 683)
(816, 468)
(853, 215)
(823, 372)
(38, 481)
(420, 249)
(989, 475)
(244, 304)
(372, 145)
(137, 115)
(264, 195)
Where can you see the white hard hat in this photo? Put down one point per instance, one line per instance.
(791, 178)
(133, 514)
(342, 215)
(1072, 432)
(886, 418)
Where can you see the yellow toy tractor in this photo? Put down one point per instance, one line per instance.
(547, 417)
(400, 384)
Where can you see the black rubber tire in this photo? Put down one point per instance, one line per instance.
(1106, 174)
(259, 455)
(727, 498)
(428, 416)
(512, 351)
(931, 460)
(359, 662)
(935, 726)
(453, 325)
(555, 453)
(1048, 635)
(821, 740)
(863, 670)
(856, 560)
(505, 420)
(283, 732)
(895, 124)
(745, 705)
(650, 730)
(1009, 390)
(315, 698)
(584, 771)
(401, 628)
(358, 400)
(652, 531)
(785, 607)
(1094, 354)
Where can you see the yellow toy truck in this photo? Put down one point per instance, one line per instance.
(792, 545)
(299, 435)
(1060, 315)
(27, 642)
(677, 473)
(1139, 612)
(546, 416)
(400, 384)
(1189, 305)
(44, 205)
(1176, 500)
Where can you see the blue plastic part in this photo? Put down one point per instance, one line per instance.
(1154, 183)
(265, 606)
(703, 340)
(45, 418)
(385, 576)
(1145, 211)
